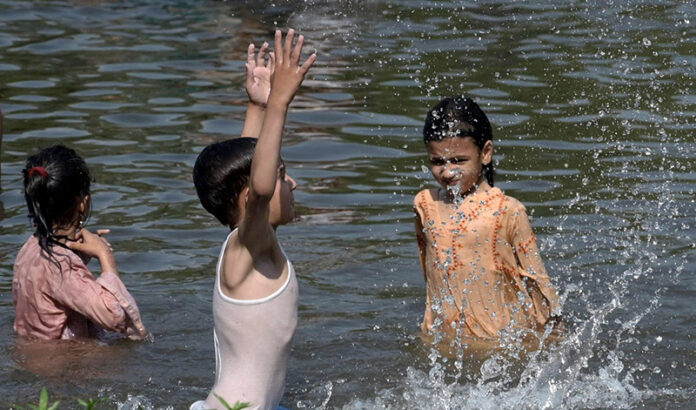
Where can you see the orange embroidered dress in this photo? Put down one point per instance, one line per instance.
(482, 266)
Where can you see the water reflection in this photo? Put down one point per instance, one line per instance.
(71, 361)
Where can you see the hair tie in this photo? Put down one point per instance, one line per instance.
(38, 170)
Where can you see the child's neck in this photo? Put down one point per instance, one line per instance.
(233, 227)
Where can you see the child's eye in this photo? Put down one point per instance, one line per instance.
(437, 161)
(457, 160)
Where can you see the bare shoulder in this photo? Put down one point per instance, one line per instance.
(236, 264)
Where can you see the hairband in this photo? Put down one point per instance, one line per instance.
(38, 170)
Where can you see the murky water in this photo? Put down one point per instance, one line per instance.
(593, 105)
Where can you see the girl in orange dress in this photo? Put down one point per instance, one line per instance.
(480, 259)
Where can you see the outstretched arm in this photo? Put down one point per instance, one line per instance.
(258, 87)
(286, 80)
(428, 316)
(529, 257)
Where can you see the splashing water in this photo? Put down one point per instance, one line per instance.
(588, 368)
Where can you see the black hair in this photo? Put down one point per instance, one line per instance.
(55, 180)
(221, 171)
(460, 117)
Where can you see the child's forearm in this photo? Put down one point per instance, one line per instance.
(264, 166)
(108, 263)
(253, 120)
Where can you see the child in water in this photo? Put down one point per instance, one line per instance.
(482, 267)
(244, 184)
(55, 294)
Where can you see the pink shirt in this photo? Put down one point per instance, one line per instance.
(59, 298)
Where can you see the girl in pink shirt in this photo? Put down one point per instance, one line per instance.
(55, 294)
(482, 268)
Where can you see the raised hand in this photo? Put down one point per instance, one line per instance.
(258, 79)
(286, 79)
(288, 74)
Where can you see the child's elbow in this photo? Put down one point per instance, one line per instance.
(260, 196)
(261, 191)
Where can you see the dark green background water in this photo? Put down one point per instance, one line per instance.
(593, 107)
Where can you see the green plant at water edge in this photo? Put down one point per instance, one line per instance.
(43, 403)
(237, 405)
(91, 404)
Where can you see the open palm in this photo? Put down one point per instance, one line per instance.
(259, 71)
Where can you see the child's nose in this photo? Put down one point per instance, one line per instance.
(293, 183)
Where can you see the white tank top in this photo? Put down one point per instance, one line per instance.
(252, 344)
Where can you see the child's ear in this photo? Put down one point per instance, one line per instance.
(83, 206)
(487, 153)
(243, 198)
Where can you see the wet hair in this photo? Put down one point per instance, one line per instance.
(55, 180)
(460, 117)
(221, 171)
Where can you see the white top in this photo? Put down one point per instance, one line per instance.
(252, 343)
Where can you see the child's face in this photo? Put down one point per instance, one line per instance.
(282, 206)
(456, 162)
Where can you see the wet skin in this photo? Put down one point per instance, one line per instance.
(456, 163)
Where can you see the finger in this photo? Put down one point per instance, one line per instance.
(288, 45)
(297, 51)
(106, 243)
(278, 47)
(250, 54)
(307, 64)
(74, 245)
(80, 235)
(261, 58)
(77, 243)
(250, 72)
(271, 62)
(101, 232)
